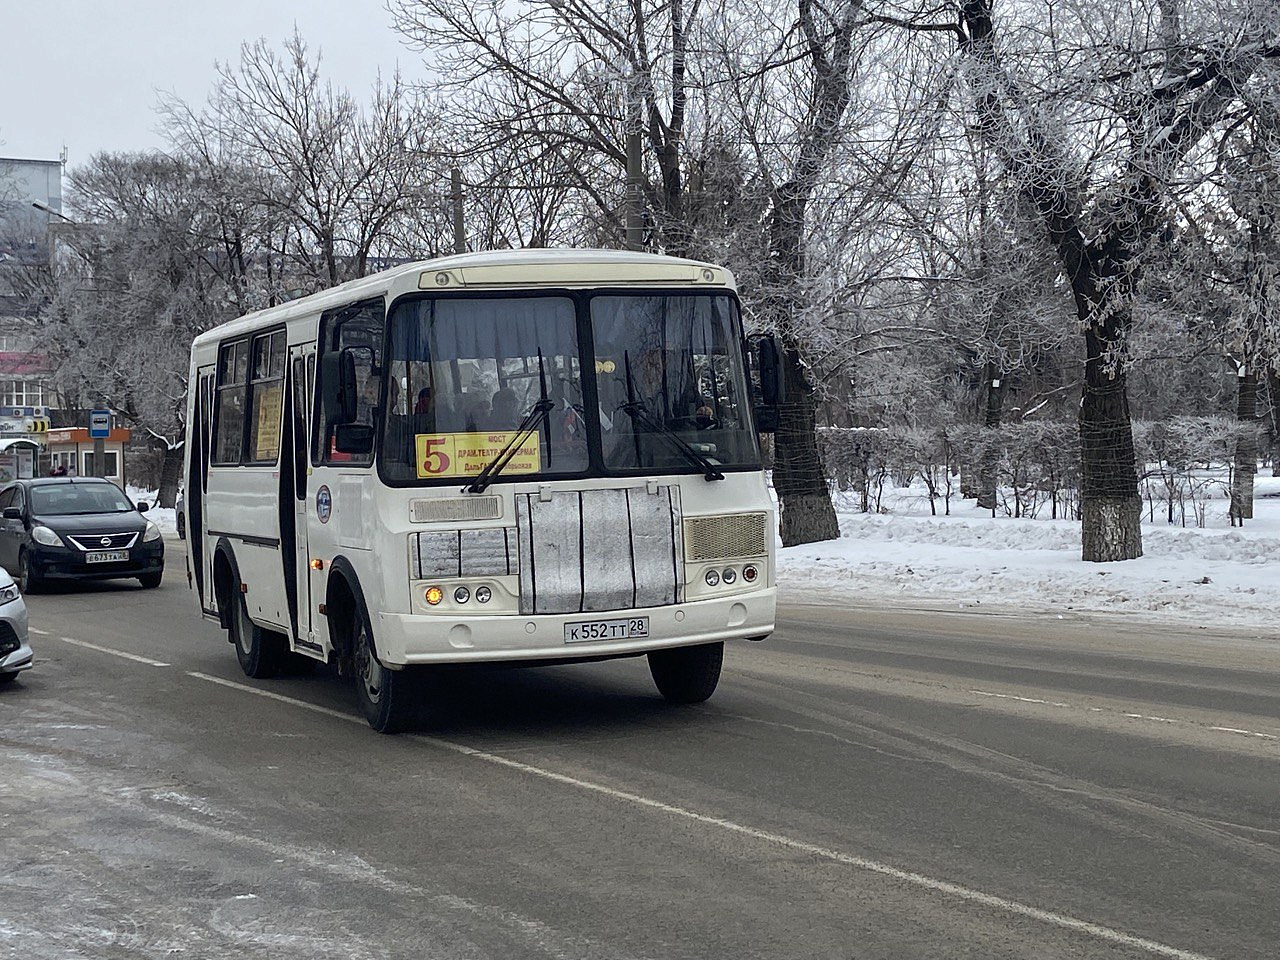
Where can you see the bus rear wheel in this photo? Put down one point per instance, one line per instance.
(388, 698)
(687, 674)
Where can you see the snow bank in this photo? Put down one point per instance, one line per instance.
(1215, 575)
(165, 519)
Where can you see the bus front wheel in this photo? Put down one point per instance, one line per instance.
(388, 698)
(687, 674)
(261, 652)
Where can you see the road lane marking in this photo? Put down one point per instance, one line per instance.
(968, 894)
(1131, 716)
(1247, 733)
(41, 633)
(313, 707)
(115, 653)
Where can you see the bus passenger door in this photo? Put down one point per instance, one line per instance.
(301, 366)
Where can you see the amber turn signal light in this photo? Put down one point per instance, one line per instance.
(434, 595)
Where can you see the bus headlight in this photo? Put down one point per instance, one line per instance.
(729, 575)
(461, 595)
(483, 594)
(712, 578)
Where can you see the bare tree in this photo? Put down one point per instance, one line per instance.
(334, 175)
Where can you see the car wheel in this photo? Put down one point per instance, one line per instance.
(7, 678)
(388, 698)
(151, 580)
(687, 674)
(28, 582)
(261, 652)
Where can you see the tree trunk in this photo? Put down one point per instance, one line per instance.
(798, 476)
(1273, 395)
(990, 459)
(1246, 456)
(1110, 507)
(170, 476)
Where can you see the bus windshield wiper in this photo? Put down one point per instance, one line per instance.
(636, 411)
(532, 421)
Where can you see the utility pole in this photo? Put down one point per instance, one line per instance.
(635, 222)
(459, 230)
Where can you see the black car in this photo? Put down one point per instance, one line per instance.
(71, 528)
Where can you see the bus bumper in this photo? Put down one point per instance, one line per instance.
(404, 639)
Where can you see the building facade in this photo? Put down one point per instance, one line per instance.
(28, 399)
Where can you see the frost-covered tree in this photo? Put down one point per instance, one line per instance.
(141, 276)
(330, 179)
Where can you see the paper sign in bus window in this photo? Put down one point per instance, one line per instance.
(466, 454)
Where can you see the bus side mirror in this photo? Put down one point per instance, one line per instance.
(348, 394)
(767, 385)
(338, 385)
(356, 438)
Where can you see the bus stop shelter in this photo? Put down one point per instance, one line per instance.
(18, 458)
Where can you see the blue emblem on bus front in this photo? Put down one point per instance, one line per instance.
(324, 504)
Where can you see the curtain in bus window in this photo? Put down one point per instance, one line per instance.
(463, 375)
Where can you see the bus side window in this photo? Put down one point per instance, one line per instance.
(267, 397)
(233, 370)
(357, 328)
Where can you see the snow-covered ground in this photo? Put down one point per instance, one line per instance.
(165, 519)
(1215, 576)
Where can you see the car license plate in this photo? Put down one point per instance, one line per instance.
(106, 556)
(586, 631)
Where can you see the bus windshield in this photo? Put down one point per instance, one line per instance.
(463, 374)
(670, 367)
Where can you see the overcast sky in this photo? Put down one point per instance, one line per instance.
(84, 73)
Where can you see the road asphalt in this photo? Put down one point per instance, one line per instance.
(868, 783)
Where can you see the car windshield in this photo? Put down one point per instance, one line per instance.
(63, 499)
(462, 375)
(666, 367)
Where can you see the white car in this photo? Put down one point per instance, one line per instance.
(15, 653)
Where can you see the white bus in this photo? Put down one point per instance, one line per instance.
(525, 456)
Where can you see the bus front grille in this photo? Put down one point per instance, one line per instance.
(589, 550)
(740, 536)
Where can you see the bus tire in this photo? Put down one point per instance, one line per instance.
(261, 652)
(387, 698)
(687, 674)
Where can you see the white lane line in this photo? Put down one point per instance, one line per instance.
(1247, 733)
(313, 707)
(115, 653)
(39, 633)
(1131, 716)
(1062, 920)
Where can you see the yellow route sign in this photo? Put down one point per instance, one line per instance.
(465, 454)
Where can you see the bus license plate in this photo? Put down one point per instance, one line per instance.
(106, 556)
(586, 631)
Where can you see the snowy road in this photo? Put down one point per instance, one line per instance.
(867, 784)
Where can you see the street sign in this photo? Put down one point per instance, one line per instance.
(99, 424)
